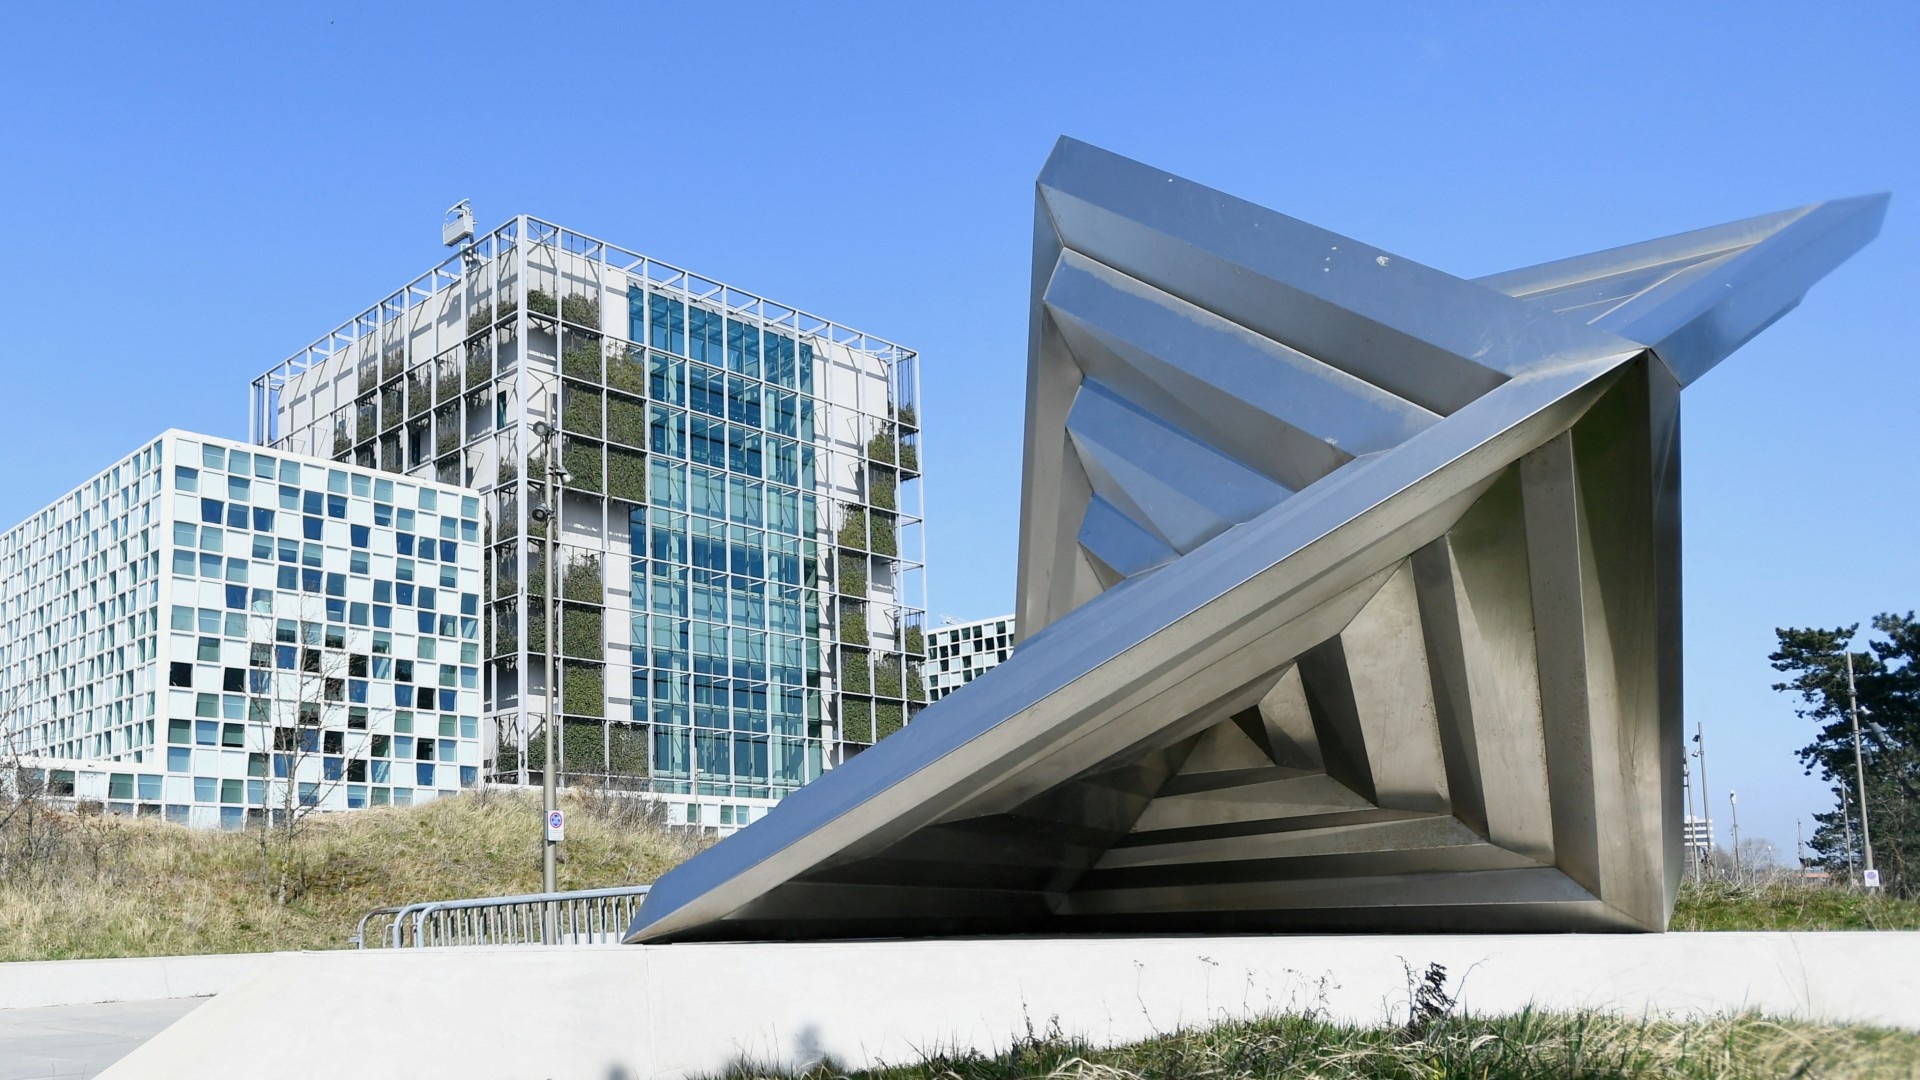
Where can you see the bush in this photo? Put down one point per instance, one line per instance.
(583, 461)
(627, 371)
(916, 641)
(581, 581)
(886, 719)
(392, 363)
(540, 301)
(886, 676)
(369, 378)
(909, 420)
(882, 485)
(581, 310)
(626, 422)
(581, 633)
(583, 689)
(856, 720)
(626, 474)
(582, 362)
(853, 575)
(881, 539)
(853, 623)
(880, 446)
(855, 676)
(910, 459)
(580, 411)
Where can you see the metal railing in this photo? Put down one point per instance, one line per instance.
(582, 917)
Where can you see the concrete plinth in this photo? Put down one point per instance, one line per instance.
(608, 1012)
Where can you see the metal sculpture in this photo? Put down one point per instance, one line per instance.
(1349, 589)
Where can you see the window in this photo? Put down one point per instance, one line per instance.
(179, 674)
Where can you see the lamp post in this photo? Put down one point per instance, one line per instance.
(1733, 801)
(1859, 773)
(1706, 797)
(549, 513)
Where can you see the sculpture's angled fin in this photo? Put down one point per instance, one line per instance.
(1696, 297)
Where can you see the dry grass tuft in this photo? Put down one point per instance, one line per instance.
(113, 886)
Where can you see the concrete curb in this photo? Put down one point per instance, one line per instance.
(40, 984)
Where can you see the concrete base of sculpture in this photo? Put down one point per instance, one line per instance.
(686, 1010)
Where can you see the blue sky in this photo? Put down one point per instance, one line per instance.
(199, 190)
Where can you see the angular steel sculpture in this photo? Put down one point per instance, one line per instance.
(1350, 593)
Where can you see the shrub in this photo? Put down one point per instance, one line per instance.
(908, 418)
(856, 720)
(886, 676)
(855, 678)
(627, 474)
(582, 459)
(581, 632)
(392, 363)
(881, 539)
(540, 301)
(580, 310)
(853, 575)
(580, 411)
(581, 581)
(880, 446)
(882, 487)
(627, 371)
(853, 623)
(583, 690)
(582, 362)
(916, 641)
(626, 422)
(886, 719)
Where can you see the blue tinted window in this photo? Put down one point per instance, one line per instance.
(212, 511)
(423, 772)
(337, 506)
(179, 759)
(311, 527)
(262, 520)
(206, 789)
(359, 534)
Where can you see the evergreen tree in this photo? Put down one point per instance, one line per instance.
(1887, 681)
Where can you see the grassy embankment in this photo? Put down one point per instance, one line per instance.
(1529, 1045)
(109, 886)
(97, 885)
(1789, 905)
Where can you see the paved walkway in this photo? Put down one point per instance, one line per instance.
(73, 1042)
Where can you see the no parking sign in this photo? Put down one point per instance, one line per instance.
(1872, 879)
(556, 826)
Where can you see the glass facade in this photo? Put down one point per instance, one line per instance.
(739, 567)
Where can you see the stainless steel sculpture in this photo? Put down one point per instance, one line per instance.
(1350, 590)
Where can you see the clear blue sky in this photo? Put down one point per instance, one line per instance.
(198, 190)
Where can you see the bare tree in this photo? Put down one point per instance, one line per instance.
(302, 721)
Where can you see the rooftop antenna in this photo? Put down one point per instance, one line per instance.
(457, 228)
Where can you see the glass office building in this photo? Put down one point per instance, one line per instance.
(739, 549)
(213, 633)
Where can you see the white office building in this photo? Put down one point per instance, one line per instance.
(212, 633)
(958, 653)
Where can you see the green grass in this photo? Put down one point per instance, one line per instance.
(109, 886)
(1789, 905)
(1530, 1044)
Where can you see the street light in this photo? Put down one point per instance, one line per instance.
(549, 514)
(1860, 775)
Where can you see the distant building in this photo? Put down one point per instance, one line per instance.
(211, 632)
(958, 654)
(1697, 838)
